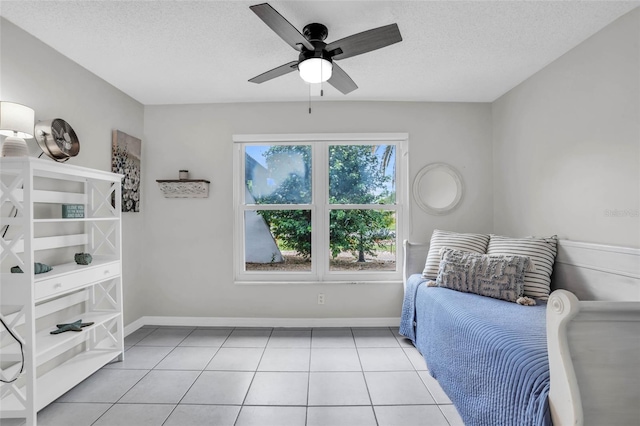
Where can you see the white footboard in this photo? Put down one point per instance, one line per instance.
(594, 361)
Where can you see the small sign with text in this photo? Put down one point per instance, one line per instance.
(72, 211)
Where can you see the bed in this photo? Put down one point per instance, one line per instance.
(574, 360)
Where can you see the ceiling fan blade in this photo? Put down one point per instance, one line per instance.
(341, 80)
(281, 26)
(364, 42)
(276, 72)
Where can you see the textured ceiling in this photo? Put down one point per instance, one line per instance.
(177, 52)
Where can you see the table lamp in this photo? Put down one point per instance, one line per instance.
(16, 122)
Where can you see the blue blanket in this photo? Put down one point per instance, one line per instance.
(489, 356)
(407, 320)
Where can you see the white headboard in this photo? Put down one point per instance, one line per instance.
(590, 271)
(597, 271)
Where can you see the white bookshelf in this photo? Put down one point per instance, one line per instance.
(32, 192)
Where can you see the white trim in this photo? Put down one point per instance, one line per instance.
(605, 270)
(597, 272)
(238, 198)
(133, 326)
(310, 137)
(599, 247)
(47, 168)
(259, 322)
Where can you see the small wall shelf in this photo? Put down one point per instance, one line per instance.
(184, 188)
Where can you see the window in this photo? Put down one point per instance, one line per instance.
(319, 208)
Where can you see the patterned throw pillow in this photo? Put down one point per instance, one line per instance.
(500, 277)
(542, 251)
(475, 243)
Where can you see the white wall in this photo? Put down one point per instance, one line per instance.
(549, 157)
(33, 74)
(189, 242)
(178, 252)
(567, 144)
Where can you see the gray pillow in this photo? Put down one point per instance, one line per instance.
(475, 243)
(500, 277)
(542, 251)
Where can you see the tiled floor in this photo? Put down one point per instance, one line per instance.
(258, 376)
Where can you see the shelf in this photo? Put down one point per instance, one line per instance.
(12, 357)
(57, 241)
(78, 219)
(32, 304)
(11, 371)
(72, 267)
(51, 345)
(48, 345)
(184, 188)
(48, 168)
(14, 286)
(65, 269)
(60, 380)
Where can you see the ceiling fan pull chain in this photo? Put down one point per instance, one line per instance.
(309, 98)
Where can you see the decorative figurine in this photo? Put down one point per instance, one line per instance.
(73, 326)
(38, 268)
(83, 258)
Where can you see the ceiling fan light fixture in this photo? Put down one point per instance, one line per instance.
(315, 70)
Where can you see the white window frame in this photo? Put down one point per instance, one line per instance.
(320, 208)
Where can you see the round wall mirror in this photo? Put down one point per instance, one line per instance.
(437, 188)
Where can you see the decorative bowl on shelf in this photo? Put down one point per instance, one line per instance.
(83, 258)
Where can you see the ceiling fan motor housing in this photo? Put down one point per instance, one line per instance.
(319, 52)
(315, 31)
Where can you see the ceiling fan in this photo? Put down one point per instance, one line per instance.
(316, 61)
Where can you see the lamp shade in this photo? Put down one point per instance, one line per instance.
(16, 120)
(315, 70)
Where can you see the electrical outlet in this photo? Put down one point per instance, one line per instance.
(320, 298)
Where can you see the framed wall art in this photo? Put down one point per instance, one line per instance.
(125, 159)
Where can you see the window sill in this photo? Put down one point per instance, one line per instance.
(299, 283)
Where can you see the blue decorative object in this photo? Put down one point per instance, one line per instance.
(73, 326)
(83, 258)
(38, 268)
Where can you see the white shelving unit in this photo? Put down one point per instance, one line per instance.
(32, 192)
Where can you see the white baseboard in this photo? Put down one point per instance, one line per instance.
(133, 326)
(260, 322)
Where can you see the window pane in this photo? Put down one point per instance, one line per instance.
(362, 240)
(277, 240)
(362, 174)
(278, 174)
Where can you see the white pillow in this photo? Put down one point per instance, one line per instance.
(542, 251)
(473, 243)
